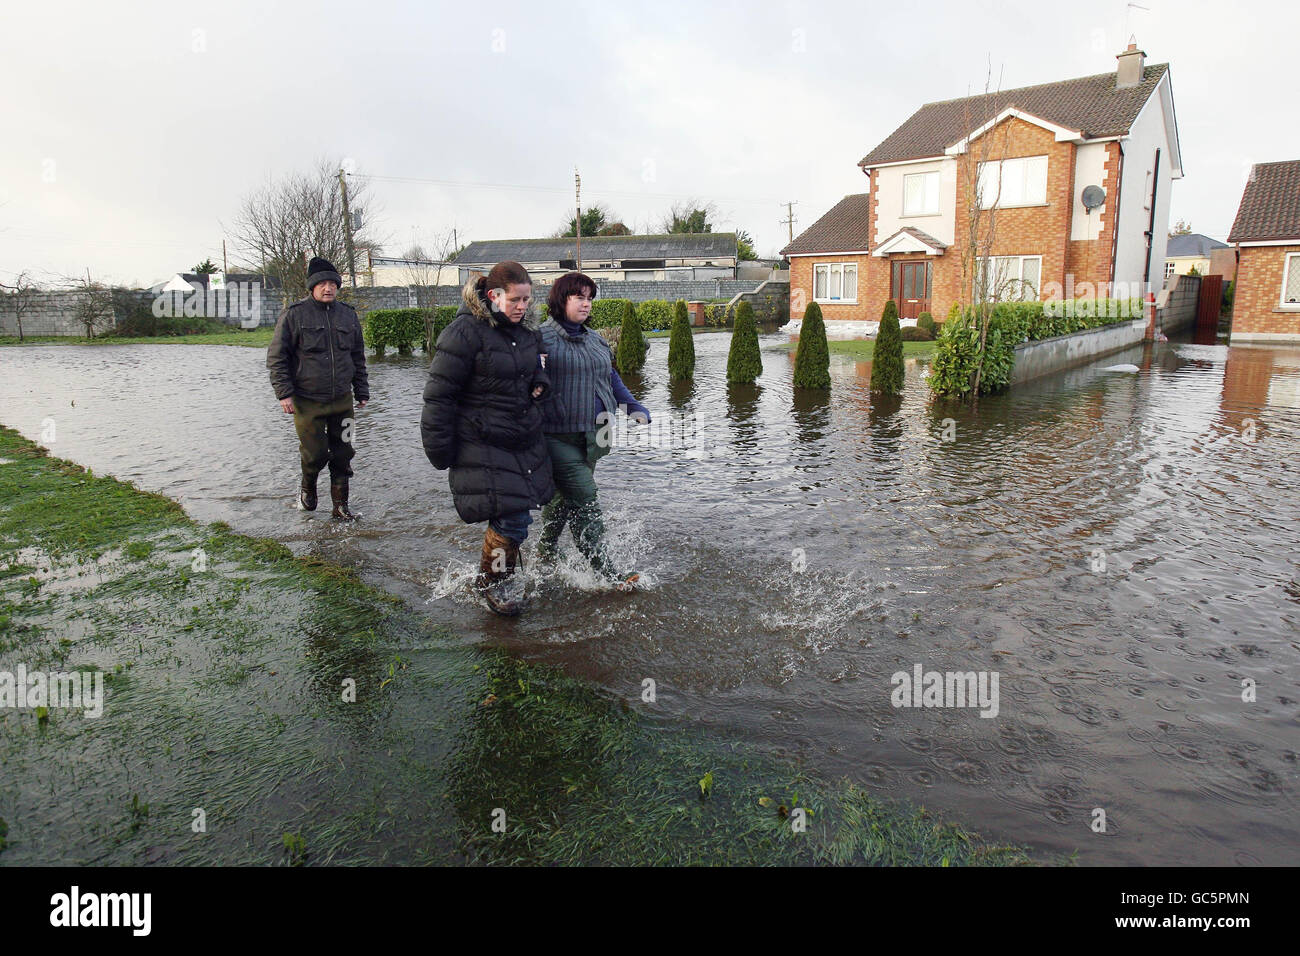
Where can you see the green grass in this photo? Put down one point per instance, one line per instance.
(224, 659)
(258, 338)
(863, 349)
(695, 330)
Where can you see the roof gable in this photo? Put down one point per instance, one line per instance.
(1192, 244)
(1091, 104)
(1270, 204)
(844, 228)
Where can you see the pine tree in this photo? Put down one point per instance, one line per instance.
(887, 359)
(681, 346)
(812, 360)
(743, 361)
(631, 343)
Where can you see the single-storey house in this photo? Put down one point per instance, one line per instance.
(1266, 235)
(1195, 251)
(1077, 172)
(686, 256)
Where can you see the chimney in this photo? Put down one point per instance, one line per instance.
(1131, 63)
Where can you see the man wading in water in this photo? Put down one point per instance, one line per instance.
(317, 361)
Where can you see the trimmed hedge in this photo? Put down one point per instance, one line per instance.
(744, 363)
(812, 360)
(631, 342)
(607, 313)
(887, 358)
(401, 329)
(925, 322)
(914, 333)
(681, 346)
(655, 315)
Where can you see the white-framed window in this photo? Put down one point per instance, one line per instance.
(1169, 268)
(921, 194)
(1291, 282)
(1013, 182)
(835, 282)
(1009, 278)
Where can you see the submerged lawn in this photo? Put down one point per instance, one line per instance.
(863, 349)
(227, 735)
(259, 337)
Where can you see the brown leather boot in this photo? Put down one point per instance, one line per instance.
(307, 493)
(339, 495)
(496, 565)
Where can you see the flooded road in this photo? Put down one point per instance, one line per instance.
(1120, 548)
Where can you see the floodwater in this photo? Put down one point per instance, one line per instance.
(1120, 548)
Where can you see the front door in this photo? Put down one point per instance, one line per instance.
(912, 288)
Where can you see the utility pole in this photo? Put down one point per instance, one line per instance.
(789, 219)
(224, 270)
(577, 196)
(347, 228)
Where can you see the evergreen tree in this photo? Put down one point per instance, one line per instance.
(887, 360)
(743, 361)
(631, 342)
(812, 360)
(681, 346)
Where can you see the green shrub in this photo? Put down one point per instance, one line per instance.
(926, 324)
(913, 333)
(142, 322)
(812, 360)
(436, 320)
(607, 313)
(744, 363)
(887, 359)
(655, 315)
(1228, 291)
(953, 370)
(717, 315)
(681, 346)
(398, 328)
(631, 342)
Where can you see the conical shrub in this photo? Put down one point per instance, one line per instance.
(631, 343)
(681, 346)
(887, 359)
(812, 360)
(743, 361)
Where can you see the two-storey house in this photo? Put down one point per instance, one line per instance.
(1074, 178)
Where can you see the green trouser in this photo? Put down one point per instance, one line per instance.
(573, 465)
(321, 438)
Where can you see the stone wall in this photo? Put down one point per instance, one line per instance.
(55, 313)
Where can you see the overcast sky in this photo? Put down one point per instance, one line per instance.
(132, 131)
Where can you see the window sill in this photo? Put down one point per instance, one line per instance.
(1287, 309)
(1020, 205)
(836, 301)
(921, 215)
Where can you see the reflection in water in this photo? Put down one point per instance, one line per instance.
(1120, 548)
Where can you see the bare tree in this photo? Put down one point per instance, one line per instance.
(20, 297)
(691, 216)
(980, 278)
(95, 302)
(426, 270)
(284, 223)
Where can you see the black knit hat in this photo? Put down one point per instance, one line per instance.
(320, 270)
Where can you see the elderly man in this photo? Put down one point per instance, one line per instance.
(317, 361)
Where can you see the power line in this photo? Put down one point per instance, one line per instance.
(548, 189)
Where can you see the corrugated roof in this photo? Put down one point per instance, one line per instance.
(1192, 244)
(844, 228)
(697, 245)
(1090, 104)
(1270, 205)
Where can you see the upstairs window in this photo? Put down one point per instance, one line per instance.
(921, 194)
(1013, 182)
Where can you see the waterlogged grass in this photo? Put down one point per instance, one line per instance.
(863, 349)
(259, 338)
(269, 710)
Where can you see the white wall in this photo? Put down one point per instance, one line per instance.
(1090, 170)
(1148, 134)
(888, 183)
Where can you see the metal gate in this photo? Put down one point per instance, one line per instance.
(1207, 309)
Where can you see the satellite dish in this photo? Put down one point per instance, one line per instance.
(1093, 196)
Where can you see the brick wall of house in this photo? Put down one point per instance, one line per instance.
(801, 288)
(1259, 291)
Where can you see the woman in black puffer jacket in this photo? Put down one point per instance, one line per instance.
(482, 421)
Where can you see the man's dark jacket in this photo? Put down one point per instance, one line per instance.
(317, 352)
(480, 419)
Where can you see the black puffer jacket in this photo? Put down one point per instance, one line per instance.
(480, 419)
(317, 352)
